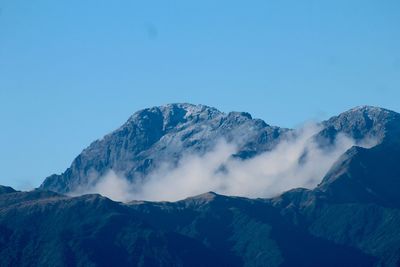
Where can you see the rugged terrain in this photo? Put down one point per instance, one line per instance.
(351, 218)
(157, 135)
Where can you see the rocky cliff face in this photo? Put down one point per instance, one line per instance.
(163, 134)
(364, 122)
(160, 135)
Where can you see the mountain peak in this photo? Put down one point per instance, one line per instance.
(363, 122)
(163, 134)
(6, 189)
(171, 108)
(202, 199)
(206, 196)
(171, 115)
(370, 110)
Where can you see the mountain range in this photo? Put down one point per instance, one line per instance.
(351, 218)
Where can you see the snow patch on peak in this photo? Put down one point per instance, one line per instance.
(369, 110)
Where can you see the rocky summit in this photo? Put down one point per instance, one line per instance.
(163, 134)
(160, 135)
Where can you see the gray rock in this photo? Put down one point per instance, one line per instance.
(363, 122)
(163, 134)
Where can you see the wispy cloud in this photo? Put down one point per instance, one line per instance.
(297, 161)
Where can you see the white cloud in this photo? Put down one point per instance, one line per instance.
(297, 161)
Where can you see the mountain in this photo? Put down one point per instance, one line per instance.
(351, 218)
(299, 228)
(162, 134)
(364, 122)
(6, 189)
(46, 229)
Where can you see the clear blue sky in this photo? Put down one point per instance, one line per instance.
(72, 71)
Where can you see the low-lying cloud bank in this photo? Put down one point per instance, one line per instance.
(297, 161)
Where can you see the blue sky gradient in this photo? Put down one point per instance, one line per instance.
(72, 71)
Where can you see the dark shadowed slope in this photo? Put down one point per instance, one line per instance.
(356, 210)
(6, 189)
(357, 204)
(45, 229)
